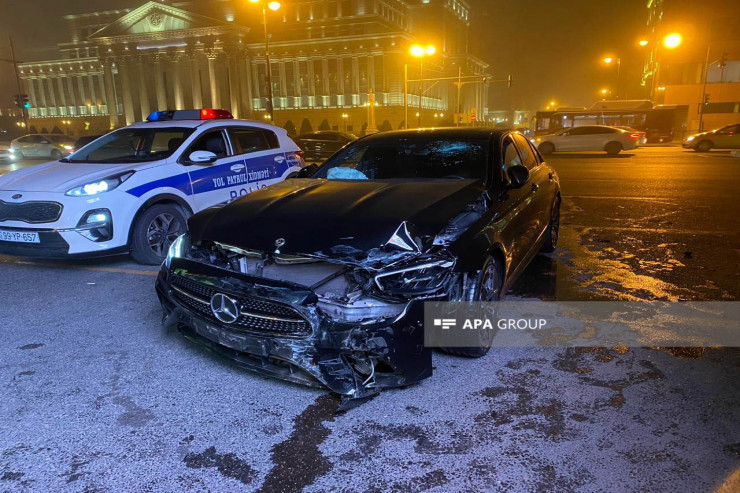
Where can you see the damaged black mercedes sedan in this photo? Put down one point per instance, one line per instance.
(322, 279)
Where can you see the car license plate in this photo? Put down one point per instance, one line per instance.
(19, 236)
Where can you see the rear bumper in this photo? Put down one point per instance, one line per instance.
(352, 360)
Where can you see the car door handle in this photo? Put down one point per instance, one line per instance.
(535, 187)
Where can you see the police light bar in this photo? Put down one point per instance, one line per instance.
(203, 114)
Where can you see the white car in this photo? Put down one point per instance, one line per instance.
(133, 189)
(611, 140)
(6, 154)
(53, 146)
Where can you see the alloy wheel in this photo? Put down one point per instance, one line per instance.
(162, 232)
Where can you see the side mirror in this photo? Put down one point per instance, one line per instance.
(307, 170)
(201, 157)
(518, 175)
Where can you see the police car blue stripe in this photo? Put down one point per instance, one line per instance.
(224, 175)
(179, 182)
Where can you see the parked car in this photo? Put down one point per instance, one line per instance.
(611, 140)
(321, 279)
(721, 138)
(642, 140)
(6, 153)
(321, 145)
(133, 189)
(42, 145)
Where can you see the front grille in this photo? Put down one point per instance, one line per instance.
(30, 212)
(255, 314)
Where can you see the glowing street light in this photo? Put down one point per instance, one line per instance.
(420, 52)
(643, 42)
(609, 60)
(673, 40)
(268, 67)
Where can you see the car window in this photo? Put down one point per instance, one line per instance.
(582, 131)
(133, 145)
(421, 158)
(528, 158)
(213, 141)
(246, 140)
(511, 156)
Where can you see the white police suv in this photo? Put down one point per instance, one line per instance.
(133, 189)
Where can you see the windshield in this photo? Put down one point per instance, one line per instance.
(133, 145)
(408, 158)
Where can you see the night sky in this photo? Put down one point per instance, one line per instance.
(552, 48)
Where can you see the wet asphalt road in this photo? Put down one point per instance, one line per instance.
(97, 396)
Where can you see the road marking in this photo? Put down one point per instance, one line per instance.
(660, 200)
(114, 270)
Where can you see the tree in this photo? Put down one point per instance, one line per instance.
(385, 126)
(324, 125)
(306, 127)
(290, 128)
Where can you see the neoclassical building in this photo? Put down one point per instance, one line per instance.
(326, 56)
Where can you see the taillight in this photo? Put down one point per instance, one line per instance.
(299, 154)
(635, 136)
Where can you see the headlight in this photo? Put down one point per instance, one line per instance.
(96, 225)
(178, 249)
(68, 147)
(690, 138)
(100, 186)
(423, 278)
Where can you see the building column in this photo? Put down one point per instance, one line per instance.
(253, 69)
(73, 96)
(325, 80)
(355, 81)
(101, 89)
(195, 81)
(371, 72)
(213, 81)
(298, 94)
(245, 87)
(177, 82)
(128, 99)
(233, 81)
(32, 93)
(42, 93)
(62, 95)
(159, 84)
(110, 95)
(52, 96)
(81, 90)
(93, 92)
(143, 89)
(340, 82)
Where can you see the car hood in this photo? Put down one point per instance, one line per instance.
(59, 176)
(337, 218)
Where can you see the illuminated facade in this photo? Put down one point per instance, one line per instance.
(710, 34)
(326, 56)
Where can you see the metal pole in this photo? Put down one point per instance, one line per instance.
(268, 65)
(421, 86)
(18, 81)
(405, 95)
(703, 92)
(619, 78)
(459, 89)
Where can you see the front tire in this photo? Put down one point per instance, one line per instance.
(486, 287)
(703, 146)
(546, 148)
(154, 231)
(55, 154)
(613, 148)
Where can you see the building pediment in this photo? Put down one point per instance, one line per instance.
(155, 20)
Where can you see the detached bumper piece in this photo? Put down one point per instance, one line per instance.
(280, 332)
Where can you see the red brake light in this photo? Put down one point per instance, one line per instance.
(635, 136)
(211, 114)
(299, 154)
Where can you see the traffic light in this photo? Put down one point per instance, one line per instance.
(21, 101)
(706, 99)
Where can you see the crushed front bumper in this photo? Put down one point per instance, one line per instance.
(352, 360)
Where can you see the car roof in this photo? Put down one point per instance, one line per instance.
(439, 133)
(219, 122)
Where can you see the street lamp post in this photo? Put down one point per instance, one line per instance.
(609, 60)
(268, 66)
(420, 52)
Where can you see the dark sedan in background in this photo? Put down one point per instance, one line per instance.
(322, 279)
(318, 146)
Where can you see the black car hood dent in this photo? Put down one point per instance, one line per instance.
(339, 219)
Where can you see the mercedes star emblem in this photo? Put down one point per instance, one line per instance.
(278, 244)
(224, 308)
